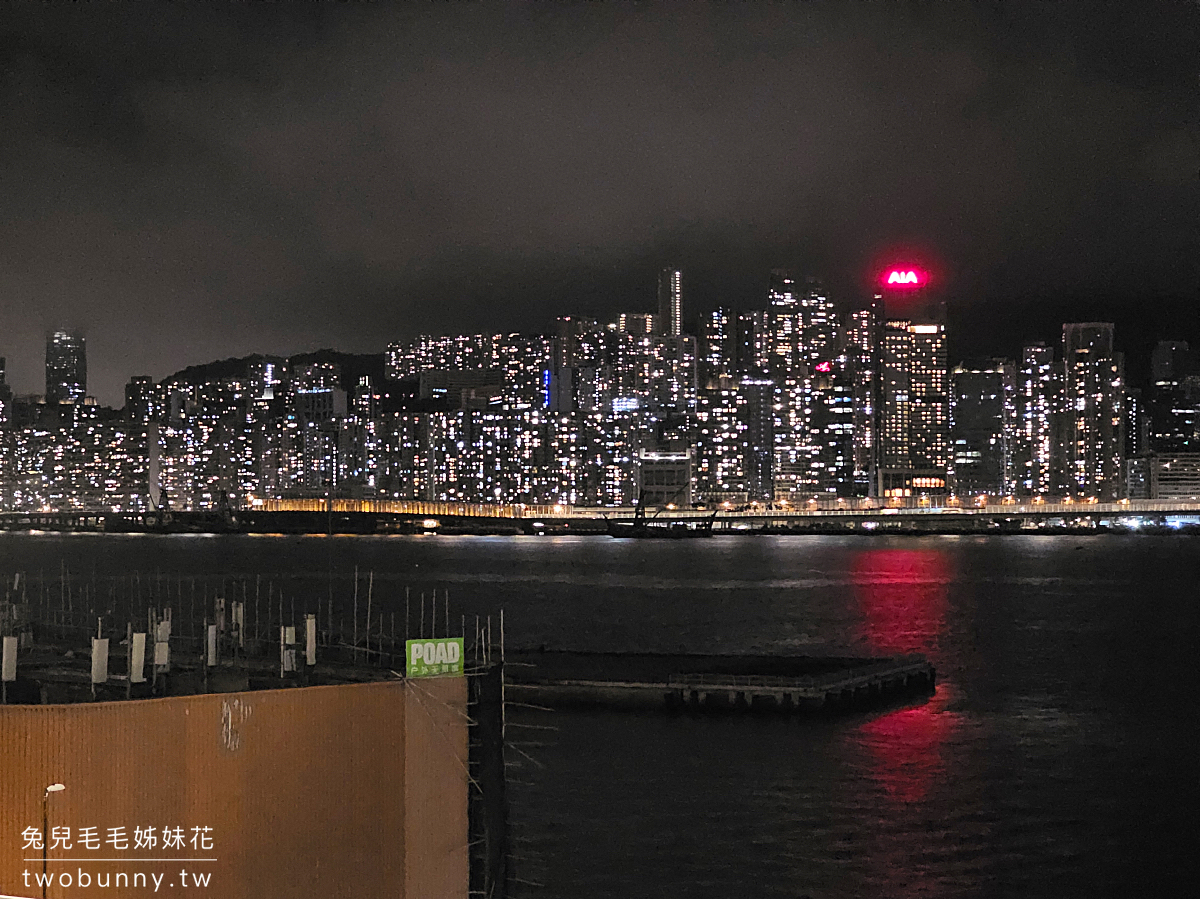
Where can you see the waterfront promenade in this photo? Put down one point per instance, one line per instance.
(349, 516)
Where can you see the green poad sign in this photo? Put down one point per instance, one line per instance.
(430, 658)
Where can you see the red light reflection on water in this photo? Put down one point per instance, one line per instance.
(906, 747)
(902, 596)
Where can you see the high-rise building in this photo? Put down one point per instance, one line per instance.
(718, 346)
(914, 432)
(638, 323)
(758, 394)
(1172, 414)
(895, 449)
(66, 367)
(930, 404)
(834, 424)
(1034, 445)
(803, 348)
(863, 368)
(719, 440)
(1169, 362)
(576, 341)
(1093, 442)
(753, 341)
(915, 412)
(980, 426)
(670, 301)
(783, 299)
(1173, 421)
(660, 373)
(141, 400)
(1137, 424)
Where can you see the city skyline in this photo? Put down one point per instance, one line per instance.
(1140, 356)
(802, 400)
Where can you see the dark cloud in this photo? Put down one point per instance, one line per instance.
(195, 181)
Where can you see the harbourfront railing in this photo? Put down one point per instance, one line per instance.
(726, 517)
(777, 511)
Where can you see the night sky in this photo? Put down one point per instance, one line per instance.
(187, 183)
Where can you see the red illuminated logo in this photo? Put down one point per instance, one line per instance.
(904, 278)
(824, 366)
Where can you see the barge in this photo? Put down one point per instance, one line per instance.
(716, 683)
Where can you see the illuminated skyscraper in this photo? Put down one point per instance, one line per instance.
(930, 403)
(915, 413)
(719, 459)
(670, 302)
(834, 422)
(718, 346)
(783, 324)
(1033, 449)
(896, 398)
(803, 329)
(1093, 442)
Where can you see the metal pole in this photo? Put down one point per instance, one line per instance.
(370, 591)
(45, 836)
(503, 704)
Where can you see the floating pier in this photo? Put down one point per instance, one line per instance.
(716, 683)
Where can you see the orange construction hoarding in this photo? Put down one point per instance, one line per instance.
(341, 791)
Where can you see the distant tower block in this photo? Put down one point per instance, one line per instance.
(66, 367)
(670, 301)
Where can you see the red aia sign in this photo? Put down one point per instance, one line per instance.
(904, 278)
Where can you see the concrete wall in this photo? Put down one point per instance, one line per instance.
(347, 791)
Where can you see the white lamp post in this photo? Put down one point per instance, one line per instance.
(53, 788)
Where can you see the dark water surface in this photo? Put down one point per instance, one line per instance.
(1059, 756)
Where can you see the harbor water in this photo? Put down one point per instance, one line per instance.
(1057, 757)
